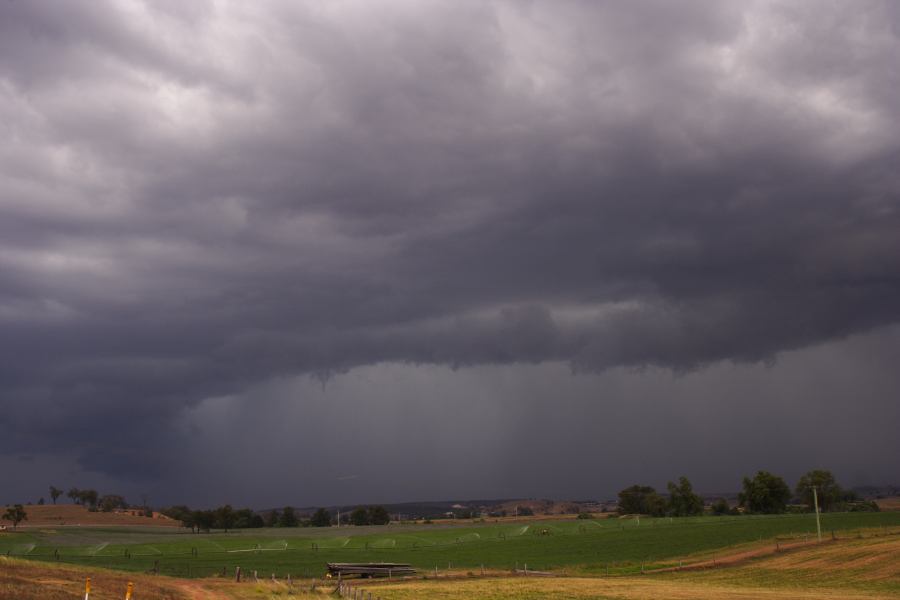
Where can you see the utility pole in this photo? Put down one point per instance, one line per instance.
(818, 523)
(339, 517)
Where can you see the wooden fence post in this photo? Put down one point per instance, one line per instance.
(237, 574)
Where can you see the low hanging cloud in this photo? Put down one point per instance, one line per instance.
(198, 198)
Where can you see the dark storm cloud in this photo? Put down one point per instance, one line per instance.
(195, 199)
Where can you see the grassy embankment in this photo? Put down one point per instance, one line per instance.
(850, 569)
(866, 568)
(574, 547)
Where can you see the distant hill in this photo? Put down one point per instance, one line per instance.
(61, 515)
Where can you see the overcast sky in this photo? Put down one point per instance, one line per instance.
(330, 251)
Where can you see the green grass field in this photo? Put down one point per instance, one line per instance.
(585, 547)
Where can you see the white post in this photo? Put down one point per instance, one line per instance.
(818, 523)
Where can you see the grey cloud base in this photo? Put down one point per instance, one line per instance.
(195, 200)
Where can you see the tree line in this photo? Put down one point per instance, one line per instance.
(225, 517)
(764, 493)
(93, 501)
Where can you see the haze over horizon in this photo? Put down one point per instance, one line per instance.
(345, 252)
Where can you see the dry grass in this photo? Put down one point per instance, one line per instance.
(889, 503)
(871, 564)
(579, 588)
(28, 580)
(65, 515)
(853, 569)
(25, 580)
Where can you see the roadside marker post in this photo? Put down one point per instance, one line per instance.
(129, 591)
(87, 589)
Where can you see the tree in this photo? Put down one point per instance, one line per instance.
(683, 502)
(765, 493)
(320, 518)
(224, 517)
(641, 499)
(378, 515)
(359, 516)
(656, 505)
(720, 507)
(41, 501)
(55, 493)
(203, 519)
(110, 502)
(16, 514)
(74, 495)
(288, 518)
(181, 513)
(829, 492)
(89, 498)
(245, 518)
(272, 518)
